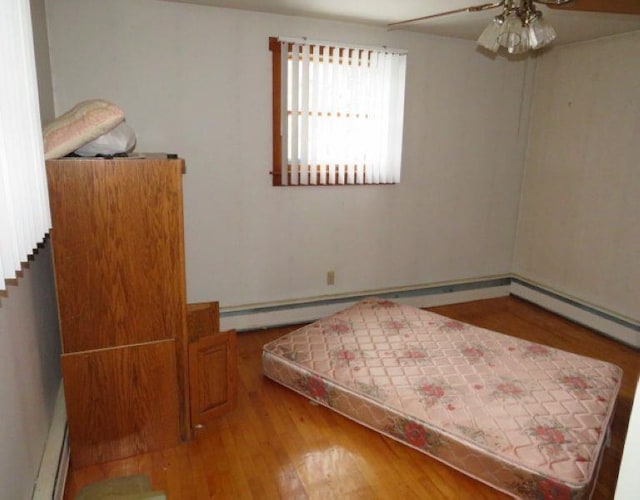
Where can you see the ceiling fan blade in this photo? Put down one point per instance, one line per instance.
(473, 8)
(608, 6)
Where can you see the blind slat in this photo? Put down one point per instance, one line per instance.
(284, 120)
(304, 115)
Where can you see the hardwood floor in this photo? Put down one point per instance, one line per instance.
(277, 444)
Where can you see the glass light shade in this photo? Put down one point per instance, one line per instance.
(489, 37)
(517, 30)
(523, 45)
(510, 32)
(540, 33)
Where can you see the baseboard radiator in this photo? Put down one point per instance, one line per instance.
(254, 316)
(52, 476)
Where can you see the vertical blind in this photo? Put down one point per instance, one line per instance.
(342, 113)
(24, 205)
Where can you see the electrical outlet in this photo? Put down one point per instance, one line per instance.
(331, 277)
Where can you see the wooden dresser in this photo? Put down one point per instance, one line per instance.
(120, 278)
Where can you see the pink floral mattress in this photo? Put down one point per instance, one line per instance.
(524, 418)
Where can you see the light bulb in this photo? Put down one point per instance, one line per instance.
(510, 32)
(522, 46)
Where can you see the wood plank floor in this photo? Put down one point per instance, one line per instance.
(277, 444)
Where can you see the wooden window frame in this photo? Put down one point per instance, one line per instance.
(282, 172)
(276, 100)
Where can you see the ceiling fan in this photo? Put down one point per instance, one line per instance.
(520, 26)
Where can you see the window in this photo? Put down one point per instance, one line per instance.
(337, 113)
(24, 205)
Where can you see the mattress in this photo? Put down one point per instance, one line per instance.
(524, 418)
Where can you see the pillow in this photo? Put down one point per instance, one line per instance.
(83, 123)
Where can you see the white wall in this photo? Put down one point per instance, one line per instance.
(579, 227)
(30, 375)
(196, 80)
(43, 67)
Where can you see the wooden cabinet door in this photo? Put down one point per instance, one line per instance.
(118, 250)
(212, 376)
(121, 401)
(203, 318)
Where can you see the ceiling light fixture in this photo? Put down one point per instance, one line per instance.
(519, 28)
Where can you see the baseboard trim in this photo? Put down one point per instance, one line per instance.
(282, 313)
(604, 322)
(266, 315)
(54, 467)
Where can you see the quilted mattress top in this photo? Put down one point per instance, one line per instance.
(541, 408)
